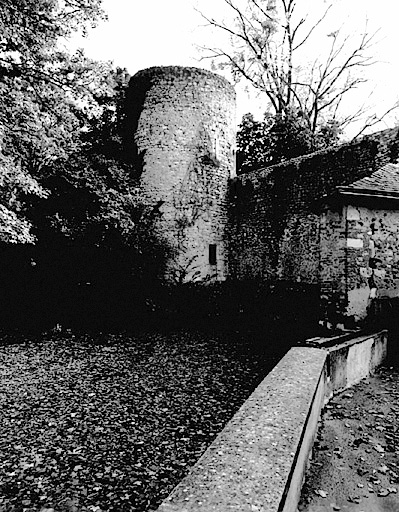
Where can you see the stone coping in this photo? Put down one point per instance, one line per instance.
(247, 466)
(350, 338)
(257, 463)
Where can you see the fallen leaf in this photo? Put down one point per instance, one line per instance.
(358, 441)
(383, 469)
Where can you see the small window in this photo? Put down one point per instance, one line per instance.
(212, 254)
(216, 148)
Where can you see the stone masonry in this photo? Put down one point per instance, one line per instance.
(296, 222)
(183, 133)
(289, 223)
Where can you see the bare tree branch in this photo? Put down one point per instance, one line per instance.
(374, 119)
(310, 32)
(267, 39)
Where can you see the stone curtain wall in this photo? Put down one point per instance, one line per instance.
(183, 138)
(279, 228)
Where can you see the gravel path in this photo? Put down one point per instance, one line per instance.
(356, 456)
(113, 423)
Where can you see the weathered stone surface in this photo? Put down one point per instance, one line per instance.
(287, 222)
(183, 137)
(377, 229)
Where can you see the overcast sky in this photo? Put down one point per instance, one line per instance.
(144, 33)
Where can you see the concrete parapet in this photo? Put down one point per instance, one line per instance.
(258, 462)
(354, 359)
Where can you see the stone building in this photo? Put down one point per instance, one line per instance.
(360, 239)
(309, 221)
(183, 138)
(329, 219)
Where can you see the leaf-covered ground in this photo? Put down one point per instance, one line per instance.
(355, 467)
(113, 423)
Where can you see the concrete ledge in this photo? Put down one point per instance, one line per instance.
(257, 463)
(351, 359)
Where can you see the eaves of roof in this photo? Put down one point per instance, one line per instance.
(367, 192)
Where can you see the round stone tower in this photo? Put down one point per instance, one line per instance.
(182, 123)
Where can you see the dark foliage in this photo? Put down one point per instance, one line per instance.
(46, 95)
(278, 138)
(92, 228)
(93, 289)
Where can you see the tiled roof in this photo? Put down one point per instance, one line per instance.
(384, 180)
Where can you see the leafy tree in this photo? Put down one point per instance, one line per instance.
(64, 123)
(95, 204)
(68, 188)
(45, 95)
(32, 29)
(278, 138)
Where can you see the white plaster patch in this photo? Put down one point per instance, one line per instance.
(358, 362)
(352, 213)
(355, 243)
(357, 302)
(365, 272)
(372, 248)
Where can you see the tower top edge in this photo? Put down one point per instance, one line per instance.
(182, 71)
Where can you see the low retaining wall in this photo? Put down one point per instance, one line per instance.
(354, 360)
(257, 463)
